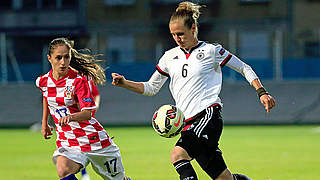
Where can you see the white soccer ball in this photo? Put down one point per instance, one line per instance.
(168, 121)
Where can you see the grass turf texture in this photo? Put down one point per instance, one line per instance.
(261, 152)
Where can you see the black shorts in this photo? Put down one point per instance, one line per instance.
(201, 140)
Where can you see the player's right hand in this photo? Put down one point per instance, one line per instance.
(117, 79)
(268, 102)
(46, 131)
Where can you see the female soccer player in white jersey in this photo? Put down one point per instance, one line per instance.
(81, 139)
(194, 68)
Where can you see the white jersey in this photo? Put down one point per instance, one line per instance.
(196, 76)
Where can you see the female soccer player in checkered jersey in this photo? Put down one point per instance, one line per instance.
(194, 68)
(96, 96)
(81, 139)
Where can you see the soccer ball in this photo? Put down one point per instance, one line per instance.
(168, 121)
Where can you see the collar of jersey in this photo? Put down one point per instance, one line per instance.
(63, 77)
(195, 47)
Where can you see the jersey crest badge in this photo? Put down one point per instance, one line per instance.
(68, 91)
(200, 55)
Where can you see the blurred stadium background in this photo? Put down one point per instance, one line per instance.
(280, 39)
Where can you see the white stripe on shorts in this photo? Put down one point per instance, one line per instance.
(204, 121)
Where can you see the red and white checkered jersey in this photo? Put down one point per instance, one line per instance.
(68, 95)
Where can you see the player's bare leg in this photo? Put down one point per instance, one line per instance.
(66, 167)
(181, 161)
(225, 175)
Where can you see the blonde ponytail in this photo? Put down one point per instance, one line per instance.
(189, 13)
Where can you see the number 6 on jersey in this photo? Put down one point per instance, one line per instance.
(184, 70)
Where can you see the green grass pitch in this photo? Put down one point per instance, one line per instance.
(261, 152)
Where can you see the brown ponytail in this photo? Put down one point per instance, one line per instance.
(85, 64)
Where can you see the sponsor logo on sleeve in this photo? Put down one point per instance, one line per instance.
(222, 51)
(87, 100)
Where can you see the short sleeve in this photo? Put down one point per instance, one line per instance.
(41, 83)
(162, 66)
(222, 56)
(37, 82)
(84, 95)
(93, 88)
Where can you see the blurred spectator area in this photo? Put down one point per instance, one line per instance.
(279, 39)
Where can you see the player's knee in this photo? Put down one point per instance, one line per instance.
(63, 171)
(178, 153)
(225, 175)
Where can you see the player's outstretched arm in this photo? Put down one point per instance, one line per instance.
(265, 98)
(119, 80)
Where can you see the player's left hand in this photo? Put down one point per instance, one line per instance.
(268, 102)
(46, 131)
(64, 120)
